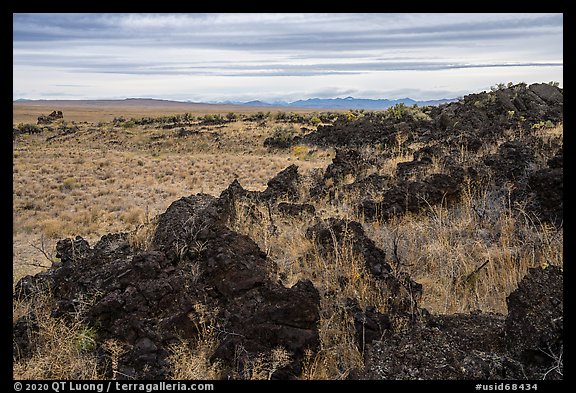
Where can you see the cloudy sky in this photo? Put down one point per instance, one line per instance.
(218, 57)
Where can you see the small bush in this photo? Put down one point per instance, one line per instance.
(315, 120)
(69, 183)
(86, 338)
(299, 151)
(129, 124)
(29, 128)
(281, 136)
(543, 124)
(397, 111)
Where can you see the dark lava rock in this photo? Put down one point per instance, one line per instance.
(547, 188)
(346, 163)
(55, 115)
(525, 344)
(548, 93)
(272, 316)
(414, 196)
(427, 153)
(556, 162)
(369, 324)
(372, 185)
(278, 143)
(147, 299)
(180, 223)
(69, 250)
(473, 121)
(511, 161)
(441, 349)
(285, 185)
(24, 334)
(347, 233)
(29, 286)
(370, 129)
(296, 209)
(534, 326)
(488, 115)
(26, 129)
(405, 170)
(404, 293)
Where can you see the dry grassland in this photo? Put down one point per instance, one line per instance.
(102, 111)
(104, 178)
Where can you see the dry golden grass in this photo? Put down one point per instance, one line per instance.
(337, 277)
(62, 350)
(107, 179)
(82, 184)
(193, 363)
(468, 257)
(466, 263)
(106, 110)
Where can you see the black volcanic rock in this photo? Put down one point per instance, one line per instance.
(198, 272)
(547, 188)
(334, 235)
(535, 323)
(55, 115)
(483, 115)
(147, 299)
(525, 344)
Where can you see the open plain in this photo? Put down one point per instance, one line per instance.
(156, 240)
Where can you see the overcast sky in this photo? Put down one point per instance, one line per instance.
(218, 57)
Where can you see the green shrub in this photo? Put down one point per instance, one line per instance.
(29, 128)
(282, 137)
(283, 133)
(86, 338)
(129, 124)
(69, 183)
(315, 120)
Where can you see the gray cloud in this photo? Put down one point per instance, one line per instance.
(271, 69)
(279, 45)
(71, 85)
(287, 32)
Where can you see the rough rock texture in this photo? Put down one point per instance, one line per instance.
(284, 185)
(346, 163)
(470, 122)
(547, 190)
(342, 233)
(24, 334)
(511, 162)
(197, 270)
(148, 299)
(182, 222)
(534, 326)
(456, 140)
(367, 130)
(450, 347)
(414, 196)
(403, 292)
(406, 170)
(296, 209)
(55, 115)
(369, 324)
(525, 344)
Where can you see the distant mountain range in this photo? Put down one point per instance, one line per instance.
(344, 103)
(314, 103)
